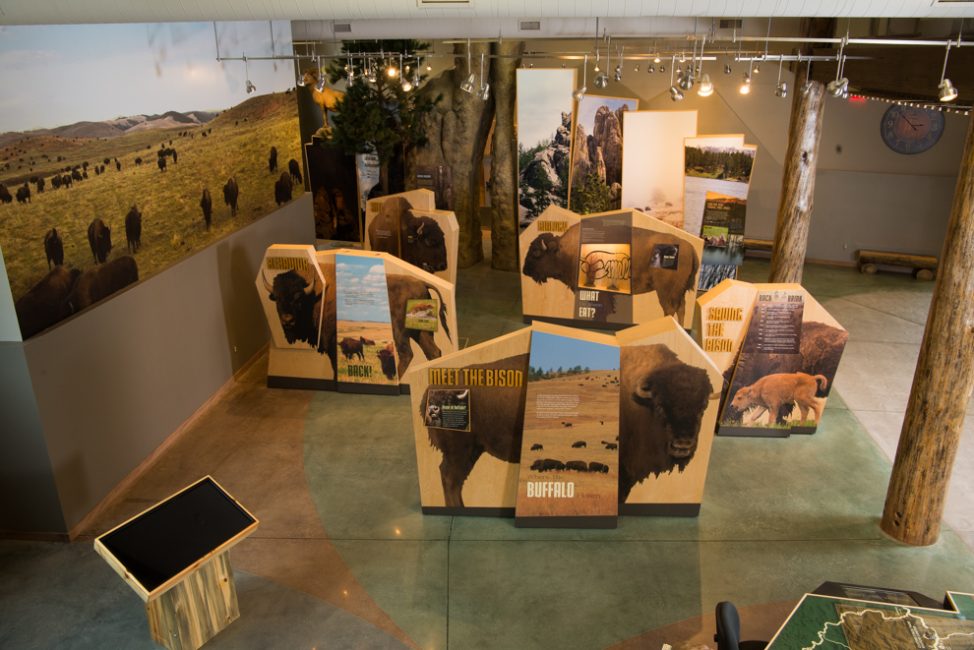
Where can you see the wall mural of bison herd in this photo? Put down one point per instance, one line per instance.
(351, 320)
(103, 201)
(566, 427)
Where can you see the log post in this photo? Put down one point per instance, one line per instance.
(798, 185)
(942, 383)
(503, 187)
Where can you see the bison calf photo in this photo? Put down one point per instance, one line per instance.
(770, 393)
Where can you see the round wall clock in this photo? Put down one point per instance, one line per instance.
(911, 130)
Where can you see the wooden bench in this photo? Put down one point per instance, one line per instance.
(761, 246)
(924, 267)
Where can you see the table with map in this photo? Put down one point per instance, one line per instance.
(830, 622)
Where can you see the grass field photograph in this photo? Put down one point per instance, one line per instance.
(571, 428)
(144, 136)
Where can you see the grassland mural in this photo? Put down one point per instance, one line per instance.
(144, 151)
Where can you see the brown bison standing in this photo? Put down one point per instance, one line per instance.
(352, 348)
(100, 240)
(387, 360)
(771, 392)
(496, 427)
(272, 160)
(133, 229)
(5, 194)
(53, 248)
(230, 194)
(99, 282)
(662, 402)
(283, 188)
(46, 303)
(206, 205)
(555, 257)
(298, 303)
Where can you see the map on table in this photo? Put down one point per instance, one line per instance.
(827, 622)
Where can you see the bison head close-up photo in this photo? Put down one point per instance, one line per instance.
(423, 243)
(298, 302)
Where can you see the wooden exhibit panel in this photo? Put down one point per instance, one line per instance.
(668, 409)
(419, 307)
(293, 293)
(468, 416)
(175, 557)
(409, 226)
(785, 364)
(652, 162)
(569, 474)
(818, 620)
(608, 270)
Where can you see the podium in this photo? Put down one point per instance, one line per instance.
(175, 556)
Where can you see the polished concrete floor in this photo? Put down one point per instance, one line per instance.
(344, 559)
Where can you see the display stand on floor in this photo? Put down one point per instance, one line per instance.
(175, 556)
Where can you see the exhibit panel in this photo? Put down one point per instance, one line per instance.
(569, 475)
(607, 270)
(294, 295)
(787, 360)
(720, 322)
(409, 226)
(468, 416)
(652, 162)
(595, 183)
(544, 138)
(668, 408)
(418, 307)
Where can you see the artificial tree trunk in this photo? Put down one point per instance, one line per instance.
(942, 383)
(798, 184)
(457, 132)
(503, 186)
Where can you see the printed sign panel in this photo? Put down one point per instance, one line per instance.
(596, 178)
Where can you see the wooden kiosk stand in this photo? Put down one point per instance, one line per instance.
(175, 555)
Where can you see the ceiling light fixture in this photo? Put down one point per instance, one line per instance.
(675, 93)
(320, 74)
(470, 83)
(581, 90)
(484, 92)
(840, 85)
(745, 87)
(249, 86)
(946, 90)
(781, 90)
(618, 71)
(706, 88)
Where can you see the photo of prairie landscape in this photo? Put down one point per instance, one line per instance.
(719, 164)
(571, 428)
(144, 151)
(366, 350)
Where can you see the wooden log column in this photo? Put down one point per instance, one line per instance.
(503, 187)
(942, 383)
(798, 186)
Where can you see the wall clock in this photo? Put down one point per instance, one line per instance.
(911, 130)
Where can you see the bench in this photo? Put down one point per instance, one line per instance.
(924, 267)
(760, 246)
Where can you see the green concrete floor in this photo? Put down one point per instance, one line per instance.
(344, 559)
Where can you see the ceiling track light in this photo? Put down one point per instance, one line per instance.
(781, 89)
(675, 93)
(470, 83)
(839, 86)
(484, 92)
(946, 91)
(249, 86)
(745, 87)
(320, 84)
(618, 71)
(581, 90)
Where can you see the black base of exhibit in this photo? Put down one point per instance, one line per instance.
(404, 389)
(744, 432)
(660, 509)
(470, 512)
(803, 431)
(566, 522)
(367, 389)
(301, 383)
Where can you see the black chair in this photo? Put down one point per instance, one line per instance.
(728, 635)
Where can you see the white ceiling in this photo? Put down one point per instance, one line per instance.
(107, 11)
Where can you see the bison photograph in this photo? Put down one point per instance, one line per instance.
(297, 298)
(99, 282)
(556, 257)
(771, 392)
(419, 240)
(662, 403)
(100, 240)
(46, 303)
